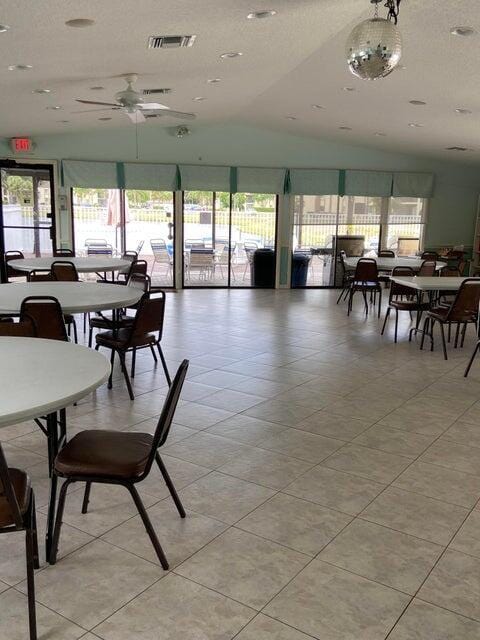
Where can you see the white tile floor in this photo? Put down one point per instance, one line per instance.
(331, 478)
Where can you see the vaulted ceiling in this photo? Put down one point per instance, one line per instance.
(290, 62)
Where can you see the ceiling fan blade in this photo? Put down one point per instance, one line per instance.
(137, 116)
(176, 114)
(152, 105)
(101, 104)
(94, 110)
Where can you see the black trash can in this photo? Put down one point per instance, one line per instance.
(300, 262)
(263, 268)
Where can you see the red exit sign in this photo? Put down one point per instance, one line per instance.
(21, 145)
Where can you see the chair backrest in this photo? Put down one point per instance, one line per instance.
(429, 255)
(138, 267)
(397, 289)
(40, 275)
(139, 281)
(99, 250)
(428, 268)
(169, 406)
(7, 494)
(139, 246)
(149, 317)
(366, 270)
(23, 329)
(201, 258)
(46, 313)
(68, 253)
(13, 255)
(250, 245)
(386, 253)
(129, 255)
(64, 271)
(465, 305)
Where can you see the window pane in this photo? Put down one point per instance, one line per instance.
(149, 231)
(199, 232)
(405, 225)
(96, 220)
(33, 242)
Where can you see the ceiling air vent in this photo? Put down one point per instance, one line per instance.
(457, 149)
(150, 92)
(170, 42)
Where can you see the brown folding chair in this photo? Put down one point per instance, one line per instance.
(429, 255)
(428, 269)
(17, 513)
(145, 331)
(401, 299)
(60, 253)
(65, 271)
(39, 275)
(119, 458)
(463, 311)
(366, 281)
(386, 253)
(23, 329)
(46, 313)
(8, 256)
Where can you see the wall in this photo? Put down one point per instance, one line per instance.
(452, 210)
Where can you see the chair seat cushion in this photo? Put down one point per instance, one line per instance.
(409, 305)
(119, 339)
(106, 322)
(107, 454)
(439, 313)
(21, 486)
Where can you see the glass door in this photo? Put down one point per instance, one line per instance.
(26, 209)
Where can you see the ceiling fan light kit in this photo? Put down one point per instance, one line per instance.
(374, 47)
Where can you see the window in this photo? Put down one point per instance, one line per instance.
(404, 230)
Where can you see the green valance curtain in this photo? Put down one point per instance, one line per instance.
(204, 178)
(157, 177)
(368, 183)
(93, 175)
(413, 185)
(260, 180)
(314, 182)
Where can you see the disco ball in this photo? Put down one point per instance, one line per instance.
(374, 49)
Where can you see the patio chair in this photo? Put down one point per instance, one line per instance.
(249, 248)
(224, 258)
(8, 256)
(119, 458)
(202, 260)
(366, 281)
(463, 311)
(161, 256)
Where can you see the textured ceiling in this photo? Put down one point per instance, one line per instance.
(290, 62)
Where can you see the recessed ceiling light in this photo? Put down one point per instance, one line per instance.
(462, 31)
(104, 119)
(379, 133)
(4, 27)
(349, 88)
(291, 117)
(417, 103)
(261, 14)
(415, 125)
(463, 112)
(317, 106)
(345, 128)
(80, 23)
(198, 99)
(214, 80)
(455, 148)
(42, 91)
(63, 121)
(54, 108)
(231, 54)
(97, 88)
(20, 67)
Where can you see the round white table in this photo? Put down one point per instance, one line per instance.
(94, 264)
(74, 297)
(38, 380)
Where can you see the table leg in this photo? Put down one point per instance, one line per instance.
(53, 424)
(416, 329)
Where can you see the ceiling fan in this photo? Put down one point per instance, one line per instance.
(131, 102)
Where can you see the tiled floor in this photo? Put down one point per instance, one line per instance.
(331, 479)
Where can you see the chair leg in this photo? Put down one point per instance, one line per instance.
(58, 521)
(30, 555)
(426, 326)
(170, 485)
(75, 333)
(125, 375)
(396, 326)
(387, 315)
(457, 335)
(112, 362)
(444, 344)
(366, 300)
(341, 295)
(449, 331)
(380, 302)
(148, 526)
(470, 362)
(464, 331)
(350, 301)
(164, 365)
(134, 359)
(36, 561)
(86, 497)
(432, 343)
(90, 336)
(153, 353)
